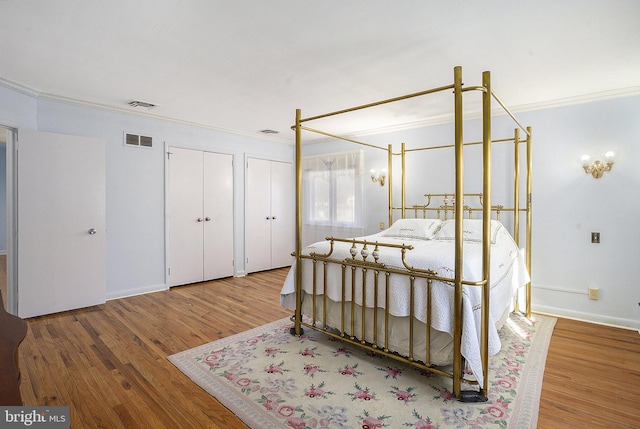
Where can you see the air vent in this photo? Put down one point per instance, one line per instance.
(144, 104)
(269, 131)
(146, 141)
(136, 140)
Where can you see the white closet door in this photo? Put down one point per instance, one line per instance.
(186, 240)
(61, 232)
(218, 215)
(258, 215)
(281, 214)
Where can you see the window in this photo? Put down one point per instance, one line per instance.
(333, 188)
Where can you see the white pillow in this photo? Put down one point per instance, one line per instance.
(421, 229)
(472, 230)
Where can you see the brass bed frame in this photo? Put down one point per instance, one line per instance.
(453, 203)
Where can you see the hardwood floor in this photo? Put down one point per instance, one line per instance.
(108, 363)
(592, 377)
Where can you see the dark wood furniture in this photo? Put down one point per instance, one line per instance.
(12, 331)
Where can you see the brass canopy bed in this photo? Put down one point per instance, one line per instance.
(435, 287)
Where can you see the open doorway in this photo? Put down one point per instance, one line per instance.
(6, 285)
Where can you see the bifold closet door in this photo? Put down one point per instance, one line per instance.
(186, 241)
(218, 215)
(281, 214)
(258, 218)
(269, 214)
(200, 216)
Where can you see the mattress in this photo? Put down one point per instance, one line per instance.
(434, 250)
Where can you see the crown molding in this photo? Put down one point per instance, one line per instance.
(19, 88)
(431, 121)
(580, 99)
(476, 114)
(149, 115)
(89, 104)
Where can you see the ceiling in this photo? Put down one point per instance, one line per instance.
(245, 66)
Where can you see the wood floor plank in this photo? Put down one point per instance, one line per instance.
(109, 362)
(587, 377)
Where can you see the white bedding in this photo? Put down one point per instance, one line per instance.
(437, 253)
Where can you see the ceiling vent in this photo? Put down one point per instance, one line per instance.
(269, 131)
(136, 140)
(143, 104)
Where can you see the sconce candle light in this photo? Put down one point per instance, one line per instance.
(597, 167)
(379, 177)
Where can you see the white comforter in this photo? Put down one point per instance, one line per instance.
(507, 274)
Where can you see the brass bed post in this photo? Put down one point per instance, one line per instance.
(459, 189)
(516, 195)
(404, 180)
(390, 182)
(486, 230)
(528, 248)
(516, 186)
(297, 328)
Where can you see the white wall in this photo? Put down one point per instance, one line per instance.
(135, 180)
(17, 108)
(567, 203)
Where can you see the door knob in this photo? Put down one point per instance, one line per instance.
(268, 218)
(93, 231)
(199, 219)
(274, 218)
(207, 218)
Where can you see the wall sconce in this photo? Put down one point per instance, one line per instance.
(597, 168)
(379, 177)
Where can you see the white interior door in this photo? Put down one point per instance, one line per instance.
(218, 215)
(61, 263)
(258, 215)
(186, 219)
(281, 214)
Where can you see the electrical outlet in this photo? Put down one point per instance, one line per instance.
(593, 293)
(595, 237)
(381, 225)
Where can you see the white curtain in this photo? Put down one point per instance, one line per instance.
(332, 195)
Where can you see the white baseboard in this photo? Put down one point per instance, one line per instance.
(588, 317)
(137, 291)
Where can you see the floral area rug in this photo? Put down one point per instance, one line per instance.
(271, 379)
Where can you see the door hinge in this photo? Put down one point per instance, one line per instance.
(169, 154)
